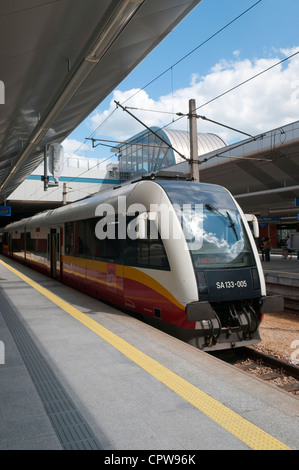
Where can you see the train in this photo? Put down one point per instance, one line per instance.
(179, 253)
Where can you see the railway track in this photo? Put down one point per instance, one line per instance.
(275, 371)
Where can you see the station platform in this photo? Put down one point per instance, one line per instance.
(78, 374)
(282, 278)
(278, 263)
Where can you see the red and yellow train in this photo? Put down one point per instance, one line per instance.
(180, 252)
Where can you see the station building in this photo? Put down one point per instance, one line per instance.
(158, 149)
(80, 178)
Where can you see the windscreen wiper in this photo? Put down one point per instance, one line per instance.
(232, 224)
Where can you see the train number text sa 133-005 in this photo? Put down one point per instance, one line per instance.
(230, 284)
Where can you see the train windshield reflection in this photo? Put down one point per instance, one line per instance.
(212, 226)
(216, 241)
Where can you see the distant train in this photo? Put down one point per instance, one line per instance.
(175, 251)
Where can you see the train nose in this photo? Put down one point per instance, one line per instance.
(232, 322)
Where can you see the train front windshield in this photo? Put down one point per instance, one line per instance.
(212, 225)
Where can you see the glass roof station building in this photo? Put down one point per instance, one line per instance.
(149, 152)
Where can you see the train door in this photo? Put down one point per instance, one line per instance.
(9, 243)
(54, 252)
(60, 248)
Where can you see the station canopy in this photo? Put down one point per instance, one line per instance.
(61, 59)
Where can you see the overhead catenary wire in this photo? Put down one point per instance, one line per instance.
(174, 65)
(180, 116)
(240, 144)
(179, 61)
(152, 131)
(194, 50)
(217, 97)
(249, 79)
(123, 143)
(187, 115)
(239, 85)
(201, 106)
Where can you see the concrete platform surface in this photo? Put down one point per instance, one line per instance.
(78, 374)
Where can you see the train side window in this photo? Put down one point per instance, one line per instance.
(69, 238)
(148, 253)
(151, 254)
(90, 239)
(111, 247)
(80, 238)
(107, 249)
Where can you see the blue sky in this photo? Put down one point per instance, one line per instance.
(265, 35)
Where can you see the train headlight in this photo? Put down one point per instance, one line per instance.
(201, 282)
(255, 278)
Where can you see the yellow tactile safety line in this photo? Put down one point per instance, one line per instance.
(245, 431)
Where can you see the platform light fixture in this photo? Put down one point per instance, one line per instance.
(115, 24)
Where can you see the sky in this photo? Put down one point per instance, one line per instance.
(220, 45)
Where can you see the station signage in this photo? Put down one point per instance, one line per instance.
(296, 202)
(5, 211)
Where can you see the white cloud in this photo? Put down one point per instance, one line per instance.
(266, 102)
(117, 123)
(74, 148)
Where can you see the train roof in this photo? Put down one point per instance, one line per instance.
(86, 208)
